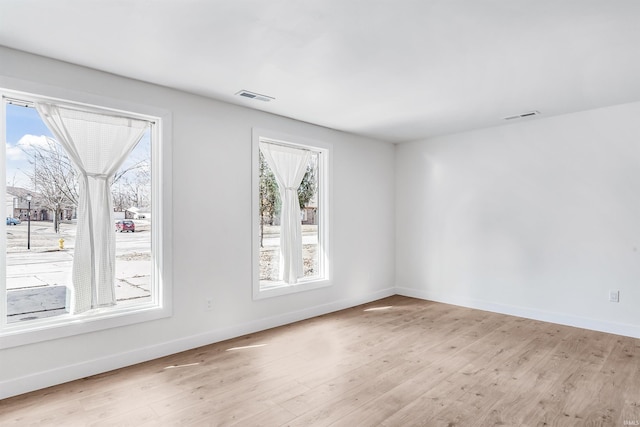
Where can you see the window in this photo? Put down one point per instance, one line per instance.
(83, 237)
(290, 214)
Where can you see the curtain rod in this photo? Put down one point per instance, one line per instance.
(289, 145)
(19, 102)
(32, 104)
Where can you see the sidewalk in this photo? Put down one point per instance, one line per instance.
(39, 279)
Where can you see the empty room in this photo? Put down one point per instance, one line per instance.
(314, 213)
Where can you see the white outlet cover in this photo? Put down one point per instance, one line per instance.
(614, 296)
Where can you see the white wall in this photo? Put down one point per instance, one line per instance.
(212, 170)
(538, 219)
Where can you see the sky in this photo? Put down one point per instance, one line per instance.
(24, 129)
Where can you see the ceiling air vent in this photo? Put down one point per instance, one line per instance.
(522, 115)
(253, 95)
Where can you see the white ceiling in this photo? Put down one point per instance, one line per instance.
(396, 70)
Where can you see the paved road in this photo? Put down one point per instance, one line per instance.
(39, 277)
(46, 264)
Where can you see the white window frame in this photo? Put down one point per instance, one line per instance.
(324, 217)
(21, 333)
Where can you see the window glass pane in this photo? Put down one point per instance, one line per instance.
(269, 218)
(41, 210)
(131, 192)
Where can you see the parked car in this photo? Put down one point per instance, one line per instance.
(125, 225)
(12, 221)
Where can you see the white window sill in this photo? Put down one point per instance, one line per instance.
(281, 288)
(17, 334)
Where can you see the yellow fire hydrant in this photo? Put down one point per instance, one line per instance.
(61, 243)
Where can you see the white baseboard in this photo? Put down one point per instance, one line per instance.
(39, 380)
(528, 313)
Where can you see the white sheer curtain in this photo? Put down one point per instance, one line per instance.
(288, 165)
(97, 144)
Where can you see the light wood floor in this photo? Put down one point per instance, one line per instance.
(415, 363)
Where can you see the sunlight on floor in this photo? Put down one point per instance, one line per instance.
(386, 307)
(246, 347)
(182, 366)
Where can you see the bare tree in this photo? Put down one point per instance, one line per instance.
(132, 186)
(55, 180)
(53, 176)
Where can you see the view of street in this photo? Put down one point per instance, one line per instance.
(270, 252)
(38, 278)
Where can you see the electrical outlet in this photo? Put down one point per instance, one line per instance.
(614, 296)
(208, 304)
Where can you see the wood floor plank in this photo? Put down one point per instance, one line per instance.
(393, 362)
(620, 367)
(461, 375)
(275, 416)
(396, 349)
